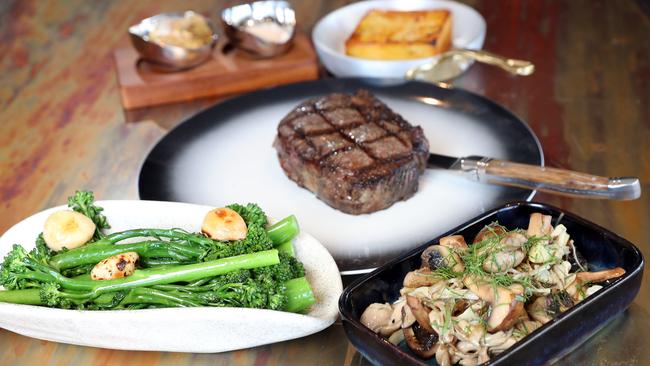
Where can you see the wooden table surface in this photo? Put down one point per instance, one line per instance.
(62, 128)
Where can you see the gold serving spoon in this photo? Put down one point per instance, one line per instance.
(452, 63)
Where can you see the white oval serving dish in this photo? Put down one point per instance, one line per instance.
(203, 329)
(331, 32)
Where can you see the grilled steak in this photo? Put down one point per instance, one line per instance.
(352, 151)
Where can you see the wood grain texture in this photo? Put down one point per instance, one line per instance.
(225, 73)
(62, 128)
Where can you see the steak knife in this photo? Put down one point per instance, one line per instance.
(545, 179)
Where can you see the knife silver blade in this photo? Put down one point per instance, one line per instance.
(443, 161)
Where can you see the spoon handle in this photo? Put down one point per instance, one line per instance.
(514, 66)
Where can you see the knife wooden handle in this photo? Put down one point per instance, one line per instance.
(559, 181)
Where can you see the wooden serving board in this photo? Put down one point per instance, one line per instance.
(225, 73)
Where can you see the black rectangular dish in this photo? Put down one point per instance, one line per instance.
(601, 248)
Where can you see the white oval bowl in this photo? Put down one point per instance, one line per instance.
(331, 32)
(204, 329)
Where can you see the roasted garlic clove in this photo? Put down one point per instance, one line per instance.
(67, 229)
(224, 224)
(118, 266)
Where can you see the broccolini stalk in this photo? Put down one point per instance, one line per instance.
(181, 250)
(286, 247)
(182, 246)
(294, 295)
(30, 296)
(171, 274)
(20, 270)
(299, 295)
(283, 230)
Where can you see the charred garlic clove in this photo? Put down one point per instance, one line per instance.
(67, 229)
(224, 224)
(438, 256)
(118, 266)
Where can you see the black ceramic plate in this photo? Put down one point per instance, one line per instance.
(224, 154)
(601, 248)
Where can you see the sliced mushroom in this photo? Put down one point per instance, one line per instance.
(454, 242)
(526, 326)
(576, 288)
(600, 276)
(442, 355)
(513, 241)
(492, 230)
(545, 308)
(517, 289)
(503, 261)
(438, 256)
(376, 316)
(483, 356)
(397, 337)
(395, 318)
(420, 277)
(459, 307)
(224, 224)
(505, 308)
(539, 225)
(408, 319)
(539, 310)
(420, 312)
(419, 335)
(504, 315)
(382, 318)
(422, 342)
(559, 302)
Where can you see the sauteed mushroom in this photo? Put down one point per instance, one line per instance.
(438, 256)
(505, 308)
(456, 242)
(420, 277)
(492, 230)
(576, 288)
(468, 303)
(539, 225)
(503, 261)
(420, 336)
(545, 308)
(383, 318)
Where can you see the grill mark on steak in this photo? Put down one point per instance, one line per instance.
(355, 153)
(340, 130)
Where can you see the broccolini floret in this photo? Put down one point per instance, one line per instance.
(183, 269)
(84, 203)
